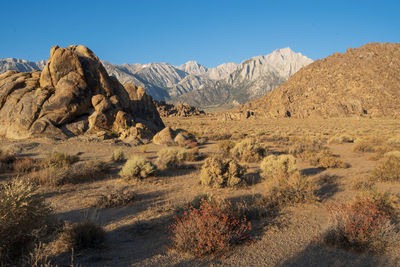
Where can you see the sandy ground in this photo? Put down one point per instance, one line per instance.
(137, 234)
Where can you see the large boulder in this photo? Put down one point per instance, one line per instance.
(73, 95)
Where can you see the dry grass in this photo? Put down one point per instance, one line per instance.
(173, 158)
(225, 146)
(22, 211)
(326, 159)
(24, 165)
(137, 167)
(220, 172)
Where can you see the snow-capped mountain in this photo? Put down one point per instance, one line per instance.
(195, 84)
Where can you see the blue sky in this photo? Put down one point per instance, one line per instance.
(210, 32)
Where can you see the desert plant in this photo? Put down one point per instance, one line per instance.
(23, 165)
(361, 225)
(220, 172)
(249, 150)
(368, 144)
(137, 167)
(118, 198)
(81, 235)
(326, 159)
(59, 159)
(389, 170)
(394, 153)
(171, 158)
(304, 148)
(273, 166)
(77, 173)
(22, 211)
(7, 156)
(225, 146)
(118, 155)
(289, 189)
(209, 230)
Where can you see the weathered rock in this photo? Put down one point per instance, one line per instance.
(164, 137)
(73, 95)
(180, 110)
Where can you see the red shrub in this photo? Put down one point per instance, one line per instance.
(209, 229)
(362, 225)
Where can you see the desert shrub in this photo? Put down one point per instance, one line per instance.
(221, 172)
(340, 139)
(118, 198)
(137, 167)
(274, 166)
(249, 150)
(225, 146)
(22, 211)
(389, 170)
(118, 155)
(188, 154)
(362, 184)
(394, 153)
(81, 235)
(289, 189)
(23, 165)
(368, 144)
(326, 159)
(58, 159)
(220, 136)
(305, 148)
(171, 158)
(362, 226)
(6, 156)
(209, 230)
(77, 173)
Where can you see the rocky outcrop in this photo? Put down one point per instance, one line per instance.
(363, 82)
(73, 95)
(179, 110)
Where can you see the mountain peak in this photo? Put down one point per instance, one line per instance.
(192, 67)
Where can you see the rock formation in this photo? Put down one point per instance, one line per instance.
(361, 82)
(73, 95)
(179, 110)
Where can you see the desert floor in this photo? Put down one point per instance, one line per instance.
(137, 234)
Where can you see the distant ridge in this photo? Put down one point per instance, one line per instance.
(360, 82)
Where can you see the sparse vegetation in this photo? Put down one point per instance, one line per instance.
(118, 198)
(276, 166)
(389, 170)
(81, 235)
(210, 229)
(59, 160)
(225, 146)
(249, 150)
(362, 225)
(23, 165)
(172, 158)
(118, 155)
(326, 159)
(22, 211)
(220, 172)
(137, 167)
(289, 189)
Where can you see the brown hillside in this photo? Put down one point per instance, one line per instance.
(361, 82)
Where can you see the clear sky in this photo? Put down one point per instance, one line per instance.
(208, 31)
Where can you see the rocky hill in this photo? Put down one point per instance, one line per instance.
(73, 95)
(251, 79)
(361, 82)
(181, 110)
(20, 65)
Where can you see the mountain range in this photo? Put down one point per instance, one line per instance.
(192, 83)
